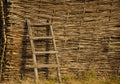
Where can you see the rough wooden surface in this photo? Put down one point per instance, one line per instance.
(87, 35)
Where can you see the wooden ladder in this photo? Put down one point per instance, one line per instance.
(35, 53)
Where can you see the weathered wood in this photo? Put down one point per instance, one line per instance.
(46, 52)
(48, 31)
(2, 48)
(33, 52)
(40, 25)
(43, 66)
(57, 60)
(39, 38)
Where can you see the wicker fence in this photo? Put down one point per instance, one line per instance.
(87, 35)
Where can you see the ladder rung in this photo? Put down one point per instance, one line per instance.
(40, 25)
(45, 52)
(43, 66)
(38, 38)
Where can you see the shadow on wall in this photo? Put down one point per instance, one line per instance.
(24, 50)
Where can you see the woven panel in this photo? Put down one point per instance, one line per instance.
(86, 32)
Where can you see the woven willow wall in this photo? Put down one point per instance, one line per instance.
(87, 35)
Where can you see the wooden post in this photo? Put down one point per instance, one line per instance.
(4, 36)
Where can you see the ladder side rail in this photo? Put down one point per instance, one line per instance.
(33, 52)
(57, 60)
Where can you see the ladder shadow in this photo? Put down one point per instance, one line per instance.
(47, 48)
(24, 50)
